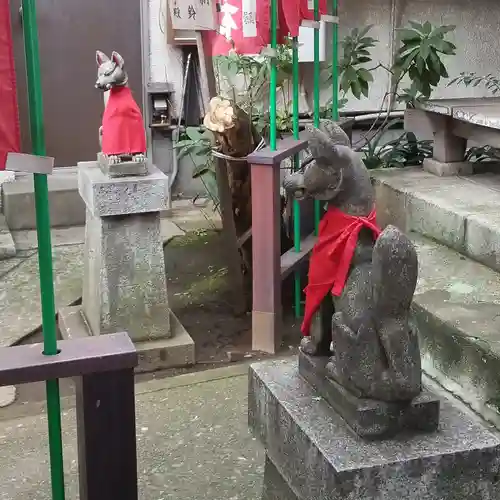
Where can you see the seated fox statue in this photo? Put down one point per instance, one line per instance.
(369, 274)
(122, 135)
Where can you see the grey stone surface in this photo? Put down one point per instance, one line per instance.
(275, 486)
(442, 169)
(460, 212)
(20, 312)
(106, 197)
(66, 207)
(7, 246)
(7, 395)
(321, 459)
(374, 353)
(369, 418)
(125, 286)
(193, 443)
(173, 352)
(457, 312)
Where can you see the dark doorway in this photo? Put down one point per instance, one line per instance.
(70, 31)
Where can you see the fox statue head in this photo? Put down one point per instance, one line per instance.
(110, 72)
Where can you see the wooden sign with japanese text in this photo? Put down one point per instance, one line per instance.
(192, 14)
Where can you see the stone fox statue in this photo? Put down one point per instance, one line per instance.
(122, 135)
(370, 274)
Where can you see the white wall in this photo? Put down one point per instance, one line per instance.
(476, 36)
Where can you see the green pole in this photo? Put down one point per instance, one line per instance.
(44, 243)
(296, 205)
(335, 64)
(274, 73)
(317, 205)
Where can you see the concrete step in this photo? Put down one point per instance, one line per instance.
(463, 213)
(457, 312)
(66, 206)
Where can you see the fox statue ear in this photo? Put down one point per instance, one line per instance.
(117, 59)
(320, 144)
(100, 57)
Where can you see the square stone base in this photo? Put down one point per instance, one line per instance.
(176, 351)
(318, 457)
(122, 169)
(369, 418)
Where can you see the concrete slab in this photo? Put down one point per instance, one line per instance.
(460, 212)
(66, 207)
(20, 309)
(193, 443)
(173, 352)
(457, 312)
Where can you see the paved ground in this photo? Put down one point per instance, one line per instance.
(193, 442)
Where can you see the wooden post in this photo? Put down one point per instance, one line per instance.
(231, 247)
(107, 459)
(266, 259)
(266, 244)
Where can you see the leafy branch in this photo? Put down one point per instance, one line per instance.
(420, 57)
(492, 83)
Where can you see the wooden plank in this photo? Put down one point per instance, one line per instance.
(291, 260)
(285, 148)
(102, 353)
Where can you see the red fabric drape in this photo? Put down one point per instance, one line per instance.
(331, 257)
(293, 12)
(9, 118)
(122, 124)
(240, 27)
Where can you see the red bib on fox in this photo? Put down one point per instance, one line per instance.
(122, 124)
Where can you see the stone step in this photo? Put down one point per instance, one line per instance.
(463, 213)
(457, 311)
(66, 206)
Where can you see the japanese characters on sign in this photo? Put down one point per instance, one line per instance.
(192, 14)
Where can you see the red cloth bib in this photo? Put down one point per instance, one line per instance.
(122, 124)
(331, 257)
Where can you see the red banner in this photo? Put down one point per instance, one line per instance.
(243, 26)
(9, 119)
(293, 12)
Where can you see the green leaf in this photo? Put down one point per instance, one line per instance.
(364, 87)
(408, 35)
(425, 49)
(442, 30)
(365, 75)
(416, 26)
(356, 89)
(427, 28)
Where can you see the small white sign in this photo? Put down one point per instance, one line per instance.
(31, 164)
(249, 18)
(192, 14)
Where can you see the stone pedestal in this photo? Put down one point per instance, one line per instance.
(312, 454)
(124, 285)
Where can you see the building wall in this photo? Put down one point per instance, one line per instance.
(476, 37)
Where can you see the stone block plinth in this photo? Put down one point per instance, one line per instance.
(124, 282)
(312, 454)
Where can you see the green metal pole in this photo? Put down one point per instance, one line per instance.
(274, 73)
(44, 243)
(296, 205)
(335, 64)
(317, 205)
